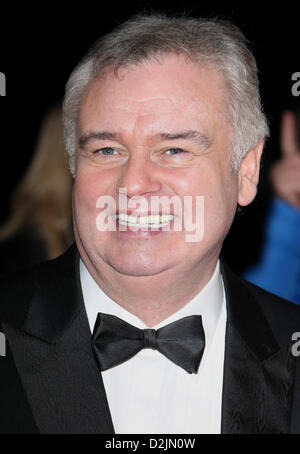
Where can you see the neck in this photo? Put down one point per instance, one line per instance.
(154, 298)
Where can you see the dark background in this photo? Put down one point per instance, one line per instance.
(40, 45)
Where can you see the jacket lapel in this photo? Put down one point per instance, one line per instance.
(54, 358)
(258, 374)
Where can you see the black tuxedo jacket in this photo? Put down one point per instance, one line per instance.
(50, 383)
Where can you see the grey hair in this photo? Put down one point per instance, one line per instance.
(206, 41)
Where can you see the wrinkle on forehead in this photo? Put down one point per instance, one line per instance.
(149, 98)
(147, 105)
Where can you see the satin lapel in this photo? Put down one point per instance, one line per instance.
(258, 375)
(54, 357)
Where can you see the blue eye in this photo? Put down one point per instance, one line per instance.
(106, 151)
(174, 151)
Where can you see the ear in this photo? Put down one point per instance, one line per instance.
(249, 174)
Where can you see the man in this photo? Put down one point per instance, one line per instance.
(139, 328)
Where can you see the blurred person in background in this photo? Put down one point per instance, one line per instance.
(278, 268)
(39, 227)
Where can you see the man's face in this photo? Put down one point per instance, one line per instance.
(158, 129)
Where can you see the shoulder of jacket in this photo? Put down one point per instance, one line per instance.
(282, 315)
(17, 289)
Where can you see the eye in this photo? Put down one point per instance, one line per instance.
(175, 151)
(107, 151)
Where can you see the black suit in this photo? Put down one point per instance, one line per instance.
(50, 383)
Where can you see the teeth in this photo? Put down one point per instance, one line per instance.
(151, 221)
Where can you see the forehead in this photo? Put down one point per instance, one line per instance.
(172, 89)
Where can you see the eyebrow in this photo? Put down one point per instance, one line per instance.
(91, 136)
(196, 136)
(193, 135)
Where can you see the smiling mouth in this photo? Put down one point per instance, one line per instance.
(152, 221)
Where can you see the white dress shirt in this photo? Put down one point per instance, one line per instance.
(149, 394)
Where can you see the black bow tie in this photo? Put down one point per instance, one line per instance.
(115, 341)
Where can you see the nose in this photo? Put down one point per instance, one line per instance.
(140, 177)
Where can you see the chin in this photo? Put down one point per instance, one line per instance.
(140, 266)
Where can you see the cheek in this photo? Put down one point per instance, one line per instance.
(85, 195)
(220, 191)
(221, 203)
